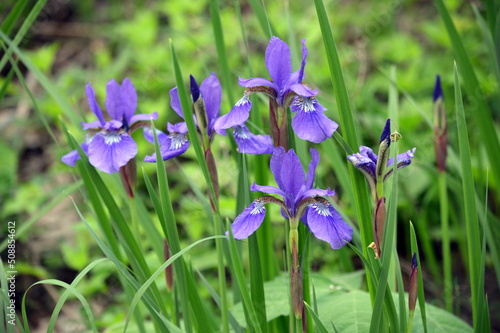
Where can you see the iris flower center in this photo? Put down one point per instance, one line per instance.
(177, 140)
(112, 138)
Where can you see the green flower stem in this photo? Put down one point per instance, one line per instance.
(445, 234)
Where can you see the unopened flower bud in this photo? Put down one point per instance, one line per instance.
(413, 284)
(440, 126)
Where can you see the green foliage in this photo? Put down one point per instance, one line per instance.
(240, 285)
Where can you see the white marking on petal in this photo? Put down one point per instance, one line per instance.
(243, 100)
(258, 208)
(177, 140)
(305, 104)
(322, 209)
(240, 132)
(112, 137)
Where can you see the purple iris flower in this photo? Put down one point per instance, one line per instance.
(300, 201)
(370, 164)
(176, 143)
(285, 89)
(109, 144)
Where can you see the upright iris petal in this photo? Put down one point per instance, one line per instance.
(109, 144)
(300, 199)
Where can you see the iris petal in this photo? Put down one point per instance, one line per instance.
(313, 126)
(328, 225)
(237, 116)
(110, 151)
(249, 220)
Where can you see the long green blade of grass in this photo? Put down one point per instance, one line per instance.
(27, 23)
(347, 125)
(68, 291)
(260, 12)
(155, 311)
(383, 298)
(44, 81)
(14, 14)
(250, 312)
(481, 114)
(470, 210)
(221, 50)
(421, 295)
(81, 298)
(161, 270)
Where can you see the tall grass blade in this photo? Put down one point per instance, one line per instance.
(260, 12)
(318, 325)
(480, 112)
(27, 23)
(44, 81)
(14, 14)
(221, 50)
(381, 299)
(70, 288)
(151, 305)
(347, 126)
(68, 291)
(161, 270)
(470, 210)
(421, 295)
(251, 316)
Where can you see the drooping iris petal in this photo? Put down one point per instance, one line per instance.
(249, 220)
(94, 107)
(327, 224)
(143, 117)
(310, 123)
(110, 151)
(250, 143)
(173, 145)
(212, 94)
(73, 156)
(237, 116)
(278, 62)
(313, 126)
(129, 100)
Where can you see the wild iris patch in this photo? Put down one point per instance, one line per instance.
(179, 222)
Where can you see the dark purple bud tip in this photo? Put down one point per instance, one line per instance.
(414, 263)
(438, 91)
(195, 89)
(386, 133)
